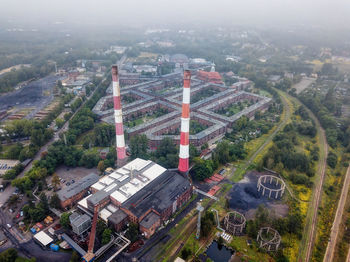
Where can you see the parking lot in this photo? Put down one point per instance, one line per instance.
(67, 174)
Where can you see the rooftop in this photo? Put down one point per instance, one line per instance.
(43, 238)
(158, 195)
(149, 220)
(79, 220)
(77, 187)
(126, 181)
(117, 217)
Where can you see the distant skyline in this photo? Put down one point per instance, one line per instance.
(324, 13)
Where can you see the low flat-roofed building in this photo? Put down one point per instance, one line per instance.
(80, 223)
(149, 224)
(7, 164)
(75, 192)
(43, 239)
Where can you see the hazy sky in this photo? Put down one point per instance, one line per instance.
(332, 13)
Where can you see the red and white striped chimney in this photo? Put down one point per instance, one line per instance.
(118, 116)
(184, 153)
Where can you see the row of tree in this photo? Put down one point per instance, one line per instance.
(9, 80)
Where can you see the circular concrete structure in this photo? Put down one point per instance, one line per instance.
(271, 186)
(268, 238)
(234, 223)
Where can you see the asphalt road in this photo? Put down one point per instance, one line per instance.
(337, 220)
(29, 248)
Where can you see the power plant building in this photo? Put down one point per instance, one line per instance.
(141, 192)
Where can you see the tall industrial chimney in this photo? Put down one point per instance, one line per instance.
(184, 153)
(118, 116)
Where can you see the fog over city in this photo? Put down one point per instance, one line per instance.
(155, 12)
(174, 130)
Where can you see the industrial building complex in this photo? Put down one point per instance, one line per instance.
(152, 106)
(141, 191)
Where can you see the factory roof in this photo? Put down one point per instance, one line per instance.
(117, 217)
(79, 220)
(77, 187)
(126, 181)
(158, 195)
(83, 202)
(105, 214)
(150, 220)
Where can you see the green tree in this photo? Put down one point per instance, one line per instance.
(101, 166)
(133, 232)
(106, 236)
(139, 146)
(44, 203)
(186, 253)
(332, 159)
(59, 122)
(9, 255)
(64, 220)
(55, 201)
(55, 181)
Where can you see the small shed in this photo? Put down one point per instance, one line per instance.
(42, 238)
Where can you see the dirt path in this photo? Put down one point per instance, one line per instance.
(311, 218)
(337, 220)
(269, 139)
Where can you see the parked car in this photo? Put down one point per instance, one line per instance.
(73, 181)
(8, 225)
(11, 211)
(18, 215)
(21, 214)
(67, 184)
(63, 181)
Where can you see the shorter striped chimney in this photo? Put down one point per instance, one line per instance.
(184, 153)
(118, 116)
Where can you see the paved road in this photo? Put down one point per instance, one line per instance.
(337, 220)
